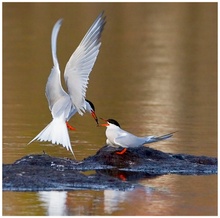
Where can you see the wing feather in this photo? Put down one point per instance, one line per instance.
(54, 90)
(129, 140)
(81, 63)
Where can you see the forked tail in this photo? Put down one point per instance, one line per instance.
(151, 139)
(55, 132)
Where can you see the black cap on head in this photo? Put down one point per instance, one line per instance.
(113, 122)
(91, 104)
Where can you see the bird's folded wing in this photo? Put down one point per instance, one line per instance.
(129, 140)
(81, 63)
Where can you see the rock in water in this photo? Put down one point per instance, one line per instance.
(112, 171)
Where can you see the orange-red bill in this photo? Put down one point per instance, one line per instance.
(95, 117)
(104, 124)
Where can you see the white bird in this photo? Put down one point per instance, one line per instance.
(118, 137)
(64, 105)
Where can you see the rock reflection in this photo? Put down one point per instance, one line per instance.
(113, 199)
(127, 175)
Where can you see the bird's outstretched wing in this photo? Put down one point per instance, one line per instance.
(54, 90)
(81, 63)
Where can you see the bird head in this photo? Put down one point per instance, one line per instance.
(110, 122)
(91, 109)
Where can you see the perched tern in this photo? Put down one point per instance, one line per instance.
(118, 137)
(63, 105)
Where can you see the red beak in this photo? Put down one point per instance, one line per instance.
(95, 117)
(104, 124)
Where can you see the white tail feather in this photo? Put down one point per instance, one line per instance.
(57, 133)
(151, 139)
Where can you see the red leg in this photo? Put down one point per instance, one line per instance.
(69, 126)
(122, 152)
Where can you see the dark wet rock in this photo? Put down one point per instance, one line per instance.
(43, 172)
(154, 162)
(111, 171)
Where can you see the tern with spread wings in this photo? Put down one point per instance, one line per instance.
(63, 105)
